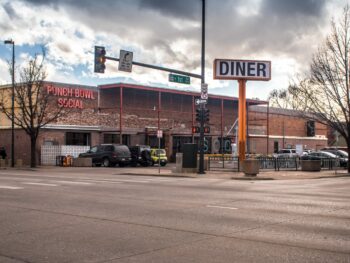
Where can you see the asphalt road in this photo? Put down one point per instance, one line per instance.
(101, 215)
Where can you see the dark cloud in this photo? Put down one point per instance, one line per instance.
(190, 9)
(276, 27)
(285, 8)
(10, 11)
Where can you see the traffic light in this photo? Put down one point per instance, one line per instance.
(195, 129)
(198, 114)
(206, 115)
(206, 129)
(100, 59)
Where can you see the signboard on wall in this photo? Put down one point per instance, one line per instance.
(68, 97)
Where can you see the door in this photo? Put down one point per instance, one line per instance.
(275, 146)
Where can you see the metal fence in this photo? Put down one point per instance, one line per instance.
(279, 163)
(49, 153)
(272, 163)
(223, 163)
(294, 163)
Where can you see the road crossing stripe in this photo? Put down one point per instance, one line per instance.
(43, 184)
(10, 187)
(222, 207)
(72, 182)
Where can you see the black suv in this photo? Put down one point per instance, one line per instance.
(109, 155)
(141, 154)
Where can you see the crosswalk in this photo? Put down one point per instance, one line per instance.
(21, 181)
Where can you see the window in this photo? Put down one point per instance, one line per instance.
(78, 138)
(94, 149)
(115, 138)
(107, 148)
(153, 141)
(111, 138)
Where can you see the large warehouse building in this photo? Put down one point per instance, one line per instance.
(132, 114)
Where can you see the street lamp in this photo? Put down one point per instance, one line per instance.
(10, 41)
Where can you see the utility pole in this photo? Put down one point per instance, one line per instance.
(202, 106)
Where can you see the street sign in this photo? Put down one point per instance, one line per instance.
(125, 61)
(242, 69)
(179, 79)
(200, 101)
(159, 134)
(204, 91)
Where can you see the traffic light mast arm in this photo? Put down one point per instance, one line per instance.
(160, 68)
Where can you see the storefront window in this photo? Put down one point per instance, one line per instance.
(111, 138)
(115, 138)
(78, 138)
(153, 141)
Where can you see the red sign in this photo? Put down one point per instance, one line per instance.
(70, 97)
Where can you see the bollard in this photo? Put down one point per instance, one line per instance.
(19, 163)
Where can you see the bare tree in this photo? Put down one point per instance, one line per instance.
(33, 104)
(324, 95)
(285, 98)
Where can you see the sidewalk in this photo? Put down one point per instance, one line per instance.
(263, 175)
(167, 172)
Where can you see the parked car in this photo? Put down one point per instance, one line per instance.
(330, 156)
(141, 155)
(109, 155)
(159, 156)
(339, 153)
(286, 153)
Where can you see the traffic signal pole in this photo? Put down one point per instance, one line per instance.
(202, 106)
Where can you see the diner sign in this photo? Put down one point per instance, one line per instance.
(242, 69)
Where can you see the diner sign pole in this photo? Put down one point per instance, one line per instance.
(242, 70)
(242, 119)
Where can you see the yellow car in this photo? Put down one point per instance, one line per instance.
(159, 155)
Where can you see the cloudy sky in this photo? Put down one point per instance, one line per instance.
(166, 33)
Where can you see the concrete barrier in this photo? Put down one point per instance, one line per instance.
(250, 167)
(19, 163)
(82, 162)
(311, 165)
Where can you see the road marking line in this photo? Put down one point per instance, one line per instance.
(71, 182)
(117, 181)
(10, 187)
(127, 181)
(43, 184)
(103, 181)
(222, 207)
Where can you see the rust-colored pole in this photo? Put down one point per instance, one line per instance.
(242, 119)
(120, 115)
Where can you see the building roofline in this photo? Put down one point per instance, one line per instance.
(174, 91)
(55, 83)
(71, 85)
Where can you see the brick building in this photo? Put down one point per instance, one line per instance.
(132, 114)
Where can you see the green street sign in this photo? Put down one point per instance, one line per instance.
(179, 79)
